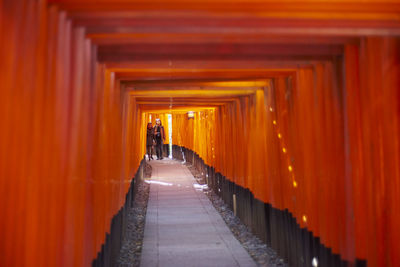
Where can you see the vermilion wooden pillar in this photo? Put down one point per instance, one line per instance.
(372, 98)
(62, 157)
(320, 138)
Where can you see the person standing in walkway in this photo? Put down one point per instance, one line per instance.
(150, 140)
(159, 135)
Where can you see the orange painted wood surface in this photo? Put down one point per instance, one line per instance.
(296, 100)
(69, 145)
(325, 150)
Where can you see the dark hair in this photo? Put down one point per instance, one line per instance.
(149, 125)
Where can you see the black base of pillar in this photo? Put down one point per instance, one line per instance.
(277, 228)
(109, 253)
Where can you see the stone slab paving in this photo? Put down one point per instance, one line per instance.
(182, 226)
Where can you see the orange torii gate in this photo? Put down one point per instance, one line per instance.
(296, 101)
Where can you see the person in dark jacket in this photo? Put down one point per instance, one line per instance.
(159, 136)
(150, 140)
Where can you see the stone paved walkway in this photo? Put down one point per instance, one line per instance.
(182, 226)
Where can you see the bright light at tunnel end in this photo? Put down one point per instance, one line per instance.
(190, 115)
(170, 135)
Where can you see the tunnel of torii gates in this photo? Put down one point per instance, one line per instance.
(296, 107)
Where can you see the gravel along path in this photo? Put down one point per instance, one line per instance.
(258, 250)
(132, 244)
